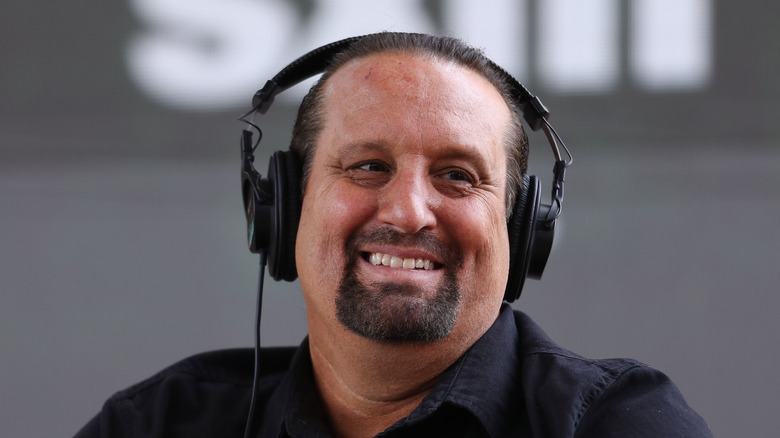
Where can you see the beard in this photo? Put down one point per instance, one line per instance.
(398, 312)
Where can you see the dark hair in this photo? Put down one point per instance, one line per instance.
(309, 122)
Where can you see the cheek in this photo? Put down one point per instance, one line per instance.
(317, 271)
(485, 245)
(328, 217)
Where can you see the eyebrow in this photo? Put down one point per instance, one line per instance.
(354, 148)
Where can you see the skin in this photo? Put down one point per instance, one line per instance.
(414, 145)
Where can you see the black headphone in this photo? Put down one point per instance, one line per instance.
(273, 204)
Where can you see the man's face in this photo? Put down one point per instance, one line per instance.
(403, 233)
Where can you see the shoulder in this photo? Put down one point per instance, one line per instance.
(192, 395)
(570, 395)
(210, 373)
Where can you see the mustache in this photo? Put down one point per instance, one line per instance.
(426, 240)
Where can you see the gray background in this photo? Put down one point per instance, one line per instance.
(122, 237)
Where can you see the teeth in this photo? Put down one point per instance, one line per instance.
(377, 259)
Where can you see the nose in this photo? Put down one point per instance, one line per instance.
(406, 203)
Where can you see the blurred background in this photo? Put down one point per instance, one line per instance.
(122, 244)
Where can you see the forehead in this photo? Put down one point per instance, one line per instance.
(411, 95)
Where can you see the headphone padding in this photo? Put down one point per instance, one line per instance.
(286, 179)
(293, 213)
(521, 228)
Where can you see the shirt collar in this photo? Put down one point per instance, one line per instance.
(485, 382)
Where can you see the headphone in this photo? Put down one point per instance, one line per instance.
(273, 204)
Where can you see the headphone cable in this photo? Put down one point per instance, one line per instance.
(248, 430)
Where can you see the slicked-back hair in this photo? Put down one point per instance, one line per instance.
(308, 124)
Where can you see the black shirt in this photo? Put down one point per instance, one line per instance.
(514, 382)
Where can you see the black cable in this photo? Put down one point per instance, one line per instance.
(561, 164)
(244, 119)
(552, 139)
(249, 430)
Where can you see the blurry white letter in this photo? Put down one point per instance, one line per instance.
(207, 54)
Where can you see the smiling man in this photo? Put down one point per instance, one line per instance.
(413, 155)
(409, 170)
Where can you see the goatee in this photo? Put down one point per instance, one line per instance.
(399, 312)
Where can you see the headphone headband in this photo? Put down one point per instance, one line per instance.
(306, 66)
(316, 61)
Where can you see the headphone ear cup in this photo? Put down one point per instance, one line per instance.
(284, 172)
(521, 228)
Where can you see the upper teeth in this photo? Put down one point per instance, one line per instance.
(399, 262)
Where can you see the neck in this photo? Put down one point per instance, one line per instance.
(366, 386)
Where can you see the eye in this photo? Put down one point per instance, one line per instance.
(369, 174)
(373, 166)
(458, 175)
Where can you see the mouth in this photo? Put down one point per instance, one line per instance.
(391, 261)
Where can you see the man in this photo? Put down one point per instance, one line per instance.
(412, 150)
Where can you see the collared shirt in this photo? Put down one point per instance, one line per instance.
(513, 382)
